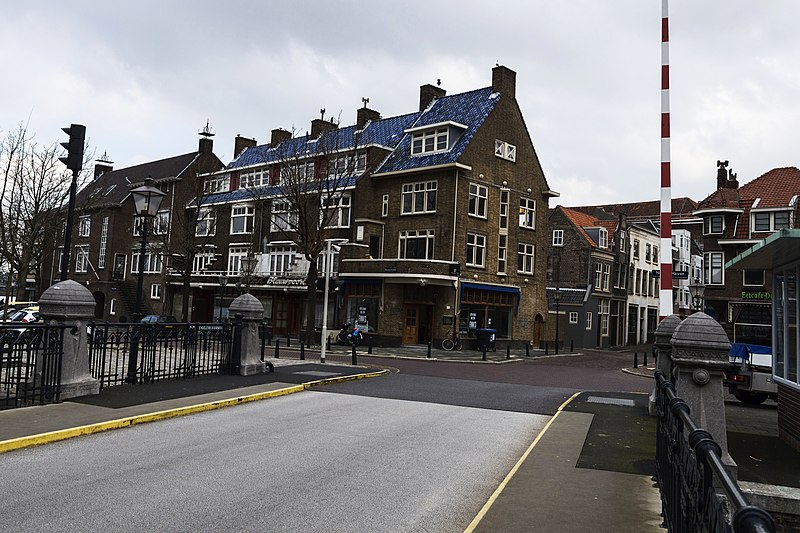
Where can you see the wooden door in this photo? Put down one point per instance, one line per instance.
(411, 325)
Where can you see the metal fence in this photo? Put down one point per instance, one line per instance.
(143, 353)
(697, 491)
(30, 364)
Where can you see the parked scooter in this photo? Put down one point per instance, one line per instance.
(349, 335)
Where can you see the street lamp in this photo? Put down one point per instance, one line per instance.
(247, 265)
(327, 271)
(223, 282)
(697, 290)
(146, 201)
(557, 300)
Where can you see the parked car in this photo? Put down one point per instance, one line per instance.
(27, 315)
(749, 375)
(159, 319)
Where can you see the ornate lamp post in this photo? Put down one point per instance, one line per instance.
(223, 282)
(557, 300)
(697, 290)
(247, 266)
(146, 200)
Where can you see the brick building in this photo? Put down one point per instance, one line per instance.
(442, 217)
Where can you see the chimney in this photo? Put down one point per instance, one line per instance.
(733, 183)
(103, 165)
(319, 125)
(427, 93)
(278, 136)
(504, 81)
(240, 143)
(206, 145)
(722, 174)
(365, 115)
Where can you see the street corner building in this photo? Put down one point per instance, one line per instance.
(433, 222)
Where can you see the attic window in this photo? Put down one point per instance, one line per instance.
(505, 150)
(603, 238)
(435, 140)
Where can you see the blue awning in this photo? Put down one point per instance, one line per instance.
(493, 288)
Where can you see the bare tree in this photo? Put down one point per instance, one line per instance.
(35, 188)
(307, 196)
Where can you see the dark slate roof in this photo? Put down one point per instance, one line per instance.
(385, 132)
(112, 187)
(470, 109)
(569, 296)
(638, 211)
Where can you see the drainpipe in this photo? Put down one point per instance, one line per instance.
(456, 299)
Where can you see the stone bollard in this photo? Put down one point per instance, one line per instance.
(663, 347)
(700, 350)
(252, 313)
(71, 304)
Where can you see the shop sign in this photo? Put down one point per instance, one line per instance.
(756, 295)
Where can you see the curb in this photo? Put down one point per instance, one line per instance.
(99, 427)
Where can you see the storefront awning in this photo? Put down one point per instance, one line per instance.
(494, 288)
(778, 249)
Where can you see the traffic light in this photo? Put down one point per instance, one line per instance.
(74, 158)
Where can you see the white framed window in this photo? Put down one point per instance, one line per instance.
(419, 198)
(385, 206)
(478, 196)
(206, 222)
(573, 317)
(656, 259)
(347, 165)
(101, 259)
(416, 244)
(505, 150)
(153, 262)
(527, 213)
(155, 291)
(525, 258)
(201, 261)
(282, 259)
(242, 219)
(84, 225)
(254, 178)
(602, 276)
(161, 223)
(502, 250)
(713, 268)
(603, 312)
(558, 237)
(215, 184)
(112, 307)
(340, 204)
(235, 256)
(636, 248)
(602, 237)
(425, 142)
(476, 250)
(82, 258)
(714, 225)
(588, 320)
(298, 172)
(504, 196)
(283, 217)
(768, 221)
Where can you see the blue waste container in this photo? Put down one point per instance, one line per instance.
(486, 338)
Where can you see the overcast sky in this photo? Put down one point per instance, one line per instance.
(145, 76)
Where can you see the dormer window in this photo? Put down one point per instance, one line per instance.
(434, 140)
(766, 221)
(714, 225)
(602, 241)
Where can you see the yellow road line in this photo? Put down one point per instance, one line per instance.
(63, 434)
(485, 509)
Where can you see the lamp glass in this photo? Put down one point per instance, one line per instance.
(147, 199)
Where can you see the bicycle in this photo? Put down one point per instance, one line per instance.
(451, 341)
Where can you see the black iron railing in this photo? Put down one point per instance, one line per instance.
(697, 491)
(162, 351)
(30, 364)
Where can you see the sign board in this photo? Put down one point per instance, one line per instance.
(680, 274)
(655, 274)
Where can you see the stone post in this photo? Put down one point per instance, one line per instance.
(700, 350)
(71, 304)
(663, 350)
(252, 313)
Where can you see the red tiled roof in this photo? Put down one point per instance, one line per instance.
(583, 220)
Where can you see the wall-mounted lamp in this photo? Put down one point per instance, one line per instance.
(526, 280)
(529, 190)
(475, 276)
(423, 281)
(505, 183)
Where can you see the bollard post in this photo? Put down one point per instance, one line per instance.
(277, 348)
(353, 354)
(571, 346)
(508, 351)
(302, 352)
(635, 360)
(429, 350)
(288, 339)
(645, 358)
(546, 349)
(328, 343)
(483, 349)
(369, 345)
(527, 349)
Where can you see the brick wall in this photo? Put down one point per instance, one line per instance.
(789, 415)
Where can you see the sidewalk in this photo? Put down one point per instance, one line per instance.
(589, 469)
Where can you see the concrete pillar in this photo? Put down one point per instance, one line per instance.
(252, 313)
(663, 350)
(700, 350)
(71, 304)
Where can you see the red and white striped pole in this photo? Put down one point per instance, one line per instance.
(665, 294)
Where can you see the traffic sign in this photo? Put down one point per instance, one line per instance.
(680, 274)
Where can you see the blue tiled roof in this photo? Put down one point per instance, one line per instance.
(470, 109)
(271, 191)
